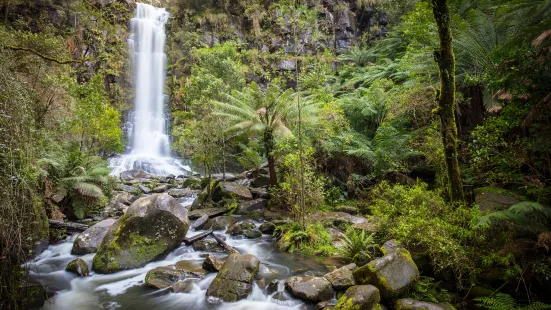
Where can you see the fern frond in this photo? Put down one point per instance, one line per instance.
(89, 190)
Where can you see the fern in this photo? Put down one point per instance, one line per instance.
(525, 216)
(355, 241)
(501, 301)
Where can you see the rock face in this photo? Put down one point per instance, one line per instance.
(411, 304)
(90, 239)
(313, 289)
(78, 267)
(359, 297)
(234, 281)
(392, 273)
(153, 226)
(342, 278)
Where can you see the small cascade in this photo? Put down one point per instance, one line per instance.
(149, 148)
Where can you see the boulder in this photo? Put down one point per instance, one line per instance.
(314, 289)
(132, 174)
(390, 247)
(393, 274)
(211, 263)
(325, 305)
(267, 228)
(184, 286)
(261, 181)
(152, 227)
(411, 304)
(342, 278)
(211, 212)
(207, 245)
(247, 224)
(235, 190)
(260, 193)
(181, 192)
(144, 189)
(192, 183)
(495, 199)
(166, 276)
(78, 267)
(200, 222)
(128, 188)
(192, 266)
(272, 286)
(234, 281)
(220, 222)
(162, 188)
(252, 234)
(258, 205)
(235, 230)
(337, 218)
(90, 239)
(359, 297)
(228, 177)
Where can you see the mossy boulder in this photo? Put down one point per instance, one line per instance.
(314, 289)
(166, 276)
(234, 281)
(252, 234)
(90, 239)
(495, 199)
(258, 205)
(211, 263)
(267, 228)
(342, 278)
(78, 267)
(220, 222)
(207, 245)
(393, 274)
(359, 297)
(151, 228)
(235, 230)
(192, 183)
(411, 304)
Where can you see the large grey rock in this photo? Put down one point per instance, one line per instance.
(342, 278)
(359, 297)
(90, 239)
(162, 188)
(220, 222)
(393, 274)
(166, 276)
(313, 289)
(411, 304)
(258, 205)
(211, 212)
(181, 192)
(234, 281)
(132, 174)
(236, 190)
(78, 267)
(200, 222)
(152, 227)
(128, 188)
(495, 199)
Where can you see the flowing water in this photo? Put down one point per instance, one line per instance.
(147, 129)
(126, 289)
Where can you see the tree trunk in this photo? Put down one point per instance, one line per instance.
(446, 101)
(269, 147)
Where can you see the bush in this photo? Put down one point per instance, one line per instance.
(314, 240)
(356, 241)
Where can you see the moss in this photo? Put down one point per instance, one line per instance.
(346, 304)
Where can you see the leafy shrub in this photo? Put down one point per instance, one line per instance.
(355, 241)
(314, 240)
(421, 219)
(427, 289)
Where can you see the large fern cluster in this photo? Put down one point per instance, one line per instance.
(501, 301)
(526, 216)
(356, 241)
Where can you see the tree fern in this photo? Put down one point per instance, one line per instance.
(527, 216)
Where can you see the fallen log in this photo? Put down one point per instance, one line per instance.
(192, 239)
(68, 225)
(226, 246)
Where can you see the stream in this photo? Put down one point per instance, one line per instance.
(126, 289)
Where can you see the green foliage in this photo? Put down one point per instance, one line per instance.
(314, 240)
(428, 289)
(355, 241)
(525, 216)
(501, 301)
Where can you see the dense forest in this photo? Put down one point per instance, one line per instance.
(362, 154)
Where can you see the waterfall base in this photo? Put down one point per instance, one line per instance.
(154, 165)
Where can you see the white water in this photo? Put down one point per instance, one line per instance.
(149, 148)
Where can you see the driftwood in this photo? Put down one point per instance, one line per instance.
(68, 225)
(192, 239)
(226, 246)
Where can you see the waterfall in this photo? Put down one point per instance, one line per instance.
(147, 129)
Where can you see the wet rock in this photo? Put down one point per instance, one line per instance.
(272, 286)
(181, 192)
(342, 278)
(132, 174)
(144, 189)
(90, 239)
(200, 222)
(34, 292)
(325, 305)
(162, 188)
(360, 297)
(313, 289)
(247, 224)
(184, 286)
(393, 274)
(267, 228)
(235, 230)
(234, 281)
(153, 226)
(192, 183)
(211, 263)
(207, 245)
(258, 205)
(192, 266)
(211, 212)
(166, 276)
(236, 190)
(252, 234)
(78, 267)
(411, 304)
(229, 177)
(284, 298)
(220, 222)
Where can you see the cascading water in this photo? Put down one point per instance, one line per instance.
(149, 148)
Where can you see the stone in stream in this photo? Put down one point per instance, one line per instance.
(89, 240)
(181, 192)
(325, 305)
(211, 212)
(359, 297)
(272, 287)
(132, 174)
(151, 228)
(258, 205)
(234, 281)
(183, 286)
(233, 189)
(247, 224)
(166, 276)
(162, 188)
(207, 245)
(260, 193)
(314, 289)
(252, 234)
(235, 230)
(78, 267)
(200, 222)
(411, 304)
(393, 274)
(192, 183)
(267, 228)
(220, 222)
(211, 263)
(228, 177)
(342, 278)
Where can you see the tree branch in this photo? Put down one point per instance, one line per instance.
(48, 58)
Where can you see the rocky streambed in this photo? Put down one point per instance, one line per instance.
(164, 245)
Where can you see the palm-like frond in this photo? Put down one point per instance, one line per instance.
(89, 190)
(501, 301)
(527, 215)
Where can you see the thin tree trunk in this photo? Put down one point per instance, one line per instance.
(269, 147)
(446, 101)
